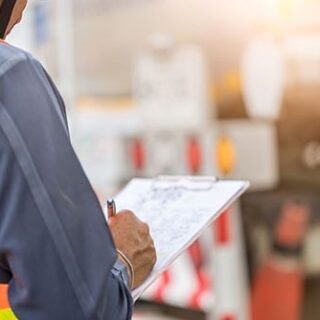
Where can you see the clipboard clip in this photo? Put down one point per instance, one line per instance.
(189, 178)
(188, 183)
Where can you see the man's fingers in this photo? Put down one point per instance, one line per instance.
(145, 229)
(132, 236)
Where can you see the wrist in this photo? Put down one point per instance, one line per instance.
(129, 267)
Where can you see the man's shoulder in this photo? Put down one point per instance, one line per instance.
(10, 56)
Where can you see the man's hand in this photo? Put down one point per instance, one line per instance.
(132, 237)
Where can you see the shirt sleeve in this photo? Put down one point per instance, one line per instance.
(56, 251)
(121, 280)
(120, 270)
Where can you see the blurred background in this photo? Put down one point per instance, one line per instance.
(202, 87)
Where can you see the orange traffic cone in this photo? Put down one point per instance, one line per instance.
(278, 286)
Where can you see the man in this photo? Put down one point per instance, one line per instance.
(56, 252)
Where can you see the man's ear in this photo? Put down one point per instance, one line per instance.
(6, 9)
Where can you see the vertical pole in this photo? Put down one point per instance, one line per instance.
(65, 50)
(229, 267)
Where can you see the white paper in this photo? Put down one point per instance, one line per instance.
(176, 212)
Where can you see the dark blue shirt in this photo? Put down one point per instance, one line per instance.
(56, 251)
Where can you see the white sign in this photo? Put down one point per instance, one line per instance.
(170, 89)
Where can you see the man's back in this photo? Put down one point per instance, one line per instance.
(55, 247)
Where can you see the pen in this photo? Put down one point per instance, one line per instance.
(111, 206)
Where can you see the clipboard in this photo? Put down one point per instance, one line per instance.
(177, 209)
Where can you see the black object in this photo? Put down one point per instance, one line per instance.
(287, 251)
(5, 15)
